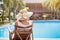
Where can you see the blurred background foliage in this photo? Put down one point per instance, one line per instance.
(11, 7)
(16, 4)
(53, 6)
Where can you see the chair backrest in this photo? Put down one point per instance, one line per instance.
(23, 29)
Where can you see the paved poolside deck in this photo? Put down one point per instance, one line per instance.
(39, 39)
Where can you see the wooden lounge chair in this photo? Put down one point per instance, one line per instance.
(21, 34)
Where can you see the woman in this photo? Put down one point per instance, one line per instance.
(23, 24)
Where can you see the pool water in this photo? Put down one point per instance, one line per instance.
(41, 29)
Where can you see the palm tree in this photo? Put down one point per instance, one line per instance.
(14, 5)
(51, 5)
(8, 5)
(18, 5)
(58, 9)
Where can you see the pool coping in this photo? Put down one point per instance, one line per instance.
(35, 38)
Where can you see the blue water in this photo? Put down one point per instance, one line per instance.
(41, 29)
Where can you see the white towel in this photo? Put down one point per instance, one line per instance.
(22, 25)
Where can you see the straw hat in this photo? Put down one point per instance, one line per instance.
(24, 14)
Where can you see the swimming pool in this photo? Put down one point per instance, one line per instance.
(41, 29)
